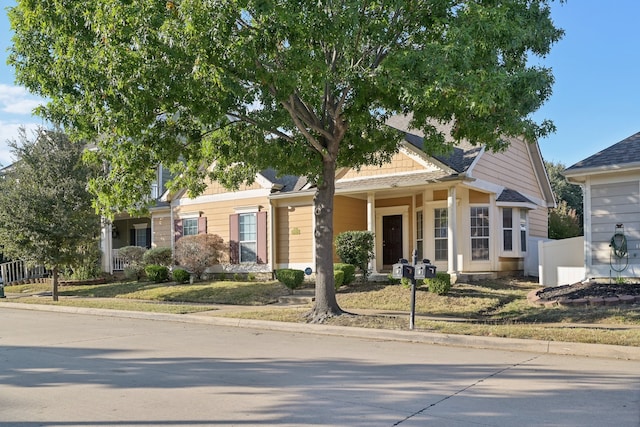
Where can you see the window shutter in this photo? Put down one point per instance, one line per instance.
(132, 237)
(202, 225)
(148, 238)
(234, 239)
(262, 237)
(177, 229)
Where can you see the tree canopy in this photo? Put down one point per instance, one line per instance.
(565, 220)
(303, 87)
(46, 212)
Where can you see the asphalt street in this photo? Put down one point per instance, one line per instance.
(66, 369)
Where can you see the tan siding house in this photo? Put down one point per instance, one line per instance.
(468, 212)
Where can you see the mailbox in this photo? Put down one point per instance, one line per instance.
(424, 270)
(402, 269)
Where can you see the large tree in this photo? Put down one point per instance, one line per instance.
(46, 212)
(301, 86)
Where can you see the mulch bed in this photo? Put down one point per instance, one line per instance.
(587, 294)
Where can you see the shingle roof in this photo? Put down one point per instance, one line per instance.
(512, 196)
(624, 152)
(459, 158)
(288, 182)
(390, 181)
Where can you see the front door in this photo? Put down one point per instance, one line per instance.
(391, 240)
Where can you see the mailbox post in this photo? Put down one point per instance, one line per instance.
(422, 270)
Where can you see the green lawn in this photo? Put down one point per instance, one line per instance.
(490, 308)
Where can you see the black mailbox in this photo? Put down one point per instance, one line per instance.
(424, 270)
(402, 269)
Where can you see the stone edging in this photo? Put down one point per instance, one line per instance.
(581, 302)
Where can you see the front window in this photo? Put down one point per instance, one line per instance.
(507, 229)
(480, 233)
(441, 227)
(420, 235)
(141, 237)
(248, 237)
(523, 230)
(190, 226)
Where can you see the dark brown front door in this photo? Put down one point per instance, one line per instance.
(391, 239)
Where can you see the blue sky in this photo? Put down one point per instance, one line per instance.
(596, 99)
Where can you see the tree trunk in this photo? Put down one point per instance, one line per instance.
(326, 304)
(54, 280)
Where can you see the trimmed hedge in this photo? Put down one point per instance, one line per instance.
(349, 272)
(157, 273)
(292, 279)
(158, 256)
(440, 285)
(180, 275)
(338, 277)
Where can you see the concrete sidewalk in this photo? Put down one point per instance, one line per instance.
(481, 342)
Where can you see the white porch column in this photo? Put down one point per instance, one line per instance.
(371, 226)
(452, 240)
(106, 245)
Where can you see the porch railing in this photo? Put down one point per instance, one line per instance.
(15, 271)
(117, 262)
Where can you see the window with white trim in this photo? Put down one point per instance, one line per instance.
(523, 230)
(189, 226)
(141, 237)
(420, 234)
(440, 232)
(514, 231)
(507, 229)
(479, 233)
(248, 232)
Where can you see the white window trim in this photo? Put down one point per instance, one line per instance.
(516, 240)
(489, 237)
(240, 242)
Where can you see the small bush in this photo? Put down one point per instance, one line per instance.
(132, 255)
(251, 277)
(158, 256)
(292, 279)
(349, 272)
(133, 272)
(356, 247)
(439, 285)
(157, 273)
(198, 252)
(392, 280)
(338, 277)
(181, 275)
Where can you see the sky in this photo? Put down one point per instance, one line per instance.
(595, 101)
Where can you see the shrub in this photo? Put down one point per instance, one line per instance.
(157, 273)
(440, 285)
(292, 279)
(158, 256)
(87, 265)
(133, 272)
(356, 247)
(199, 252)
(180, 275)
(349, 271)
(251, 277)
(338, 277)
(132, 255)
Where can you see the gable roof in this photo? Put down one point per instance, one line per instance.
(459, 159)
(623, 155)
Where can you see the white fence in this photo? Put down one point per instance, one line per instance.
(561, 262)
(15, 271)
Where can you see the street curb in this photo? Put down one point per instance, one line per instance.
(424, 337)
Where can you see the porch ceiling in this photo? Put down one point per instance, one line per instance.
(390, 182)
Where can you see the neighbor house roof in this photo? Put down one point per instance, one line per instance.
(623, 155)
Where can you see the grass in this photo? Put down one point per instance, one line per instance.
(491, 308)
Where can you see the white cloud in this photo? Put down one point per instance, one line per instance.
(10, 132)
(17, 100)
